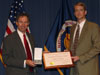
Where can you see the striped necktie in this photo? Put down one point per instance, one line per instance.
(75, 43)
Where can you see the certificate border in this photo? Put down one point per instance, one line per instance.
(57, 66)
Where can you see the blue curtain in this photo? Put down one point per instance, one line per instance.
(42, 14)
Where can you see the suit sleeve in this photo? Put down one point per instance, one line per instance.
(95, 49)
(8, 56)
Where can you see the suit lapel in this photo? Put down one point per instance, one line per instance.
(20, 45)
(72, 33)
(83, 32)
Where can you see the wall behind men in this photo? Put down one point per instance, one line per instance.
(42, 14)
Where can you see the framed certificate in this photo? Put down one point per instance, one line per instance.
(57, 60)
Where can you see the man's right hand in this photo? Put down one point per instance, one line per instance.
(30, 63)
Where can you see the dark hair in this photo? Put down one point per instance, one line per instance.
(21, 15)
(80, 4)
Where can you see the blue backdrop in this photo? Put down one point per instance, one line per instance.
(43, 14)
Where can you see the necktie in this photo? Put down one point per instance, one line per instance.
(76, 41)
(29, 56)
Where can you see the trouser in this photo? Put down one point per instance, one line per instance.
(34, 72)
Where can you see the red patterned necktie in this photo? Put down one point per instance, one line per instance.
(28, 52)
(75, 41)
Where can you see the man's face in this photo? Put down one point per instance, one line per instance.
(22, 23)
(80, 12)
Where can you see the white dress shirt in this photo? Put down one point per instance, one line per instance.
(81, 27)
(22, 40)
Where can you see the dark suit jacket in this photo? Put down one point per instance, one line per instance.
(88, 49)
(14, 54)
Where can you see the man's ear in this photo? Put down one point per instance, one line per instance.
(16, 23)
(85, 12)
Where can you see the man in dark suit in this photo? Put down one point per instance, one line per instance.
(84, 43)
(18, 49)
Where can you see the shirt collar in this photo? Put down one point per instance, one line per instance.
(20, 33)
(82, 23)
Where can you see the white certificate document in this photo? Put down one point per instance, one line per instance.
(38, 55)
(57, 60)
